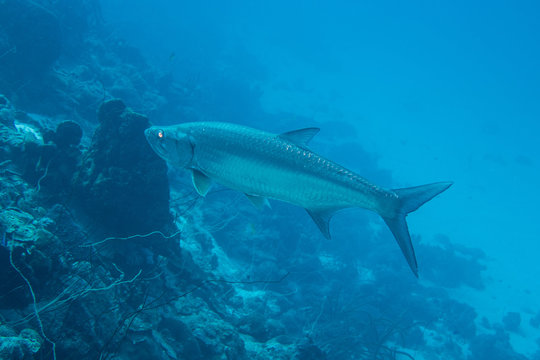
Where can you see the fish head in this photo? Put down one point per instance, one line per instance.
(171, 144)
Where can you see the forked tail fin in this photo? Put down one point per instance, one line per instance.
(410, 199)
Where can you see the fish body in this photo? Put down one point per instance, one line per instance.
(264, 166)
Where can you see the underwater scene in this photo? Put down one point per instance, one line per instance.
(298, 180)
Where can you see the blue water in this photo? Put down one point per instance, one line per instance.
(432, 90)
(435, 91)
(405, 94)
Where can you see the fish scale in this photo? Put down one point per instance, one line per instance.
(280, 166)
(298, 175)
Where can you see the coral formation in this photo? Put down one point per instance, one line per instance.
(18, 346)
(105, 253)
(221, 293)
(121, 183)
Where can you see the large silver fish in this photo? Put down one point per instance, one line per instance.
(264, 165)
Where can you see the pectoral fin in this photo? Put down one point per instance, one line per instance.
(258, 201)
(322, 219)
(201, 182)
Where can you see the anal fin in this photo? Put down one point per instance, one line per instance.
(322, 219)
(258, 201)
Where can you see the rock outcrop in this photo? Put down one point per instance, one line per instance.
(122, 184)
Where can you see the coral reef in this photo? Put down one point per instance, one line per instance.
(121, 183)
(496, 346)
(512, 321)
(58, 57)
(18, 346)
(109, 272)
(106, 253)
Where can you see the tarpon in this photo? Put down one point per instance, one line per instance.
(265, 166)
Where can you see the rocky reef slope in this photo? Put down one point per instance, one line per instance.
(106, 253)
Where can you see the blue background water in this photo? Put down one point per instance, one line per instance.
(434, 90)
(404, 93)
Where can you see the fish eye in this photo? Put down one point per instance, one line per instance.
(161, 134)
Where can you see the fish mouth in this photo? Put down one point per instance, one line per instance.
(148, 133)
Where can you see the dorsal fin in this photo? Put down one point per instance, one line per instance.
(300, 137)
(201, 182)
